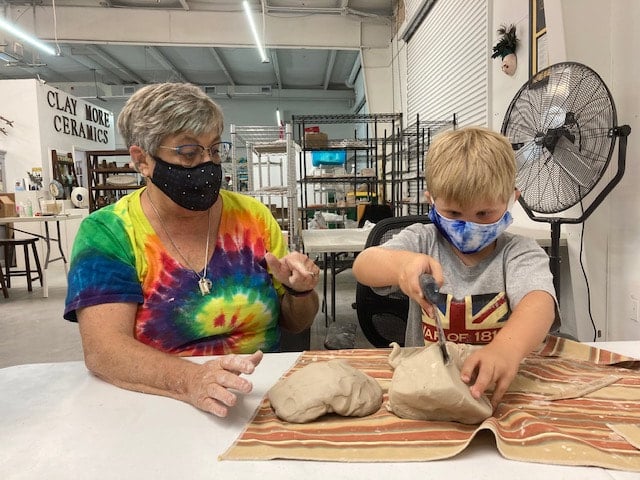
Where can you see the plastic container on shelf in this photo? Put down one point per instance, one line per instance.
(328, 157)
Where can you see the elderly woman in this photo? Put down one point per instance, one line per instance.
(181, 267)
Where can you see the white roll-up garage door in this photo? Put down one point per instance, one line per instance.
(448, 57)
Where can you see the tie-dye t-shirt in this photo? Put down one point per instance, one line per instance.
(117, 257)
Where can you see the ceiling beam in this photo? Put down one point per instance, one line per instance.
(97, 51)
(273, 53)
(193, 28)
(164, 61)
(329, 70)
(39, 70)
(225, 69)
(86, 62)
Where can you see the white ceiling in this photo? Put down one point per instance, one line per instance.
(231, 68)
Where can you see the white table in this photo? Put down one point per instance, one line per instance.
(45, 237)
(57, 421)
(330, 242)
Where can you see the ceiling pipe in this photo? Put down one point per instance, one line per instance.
(351, 81)
(325, 11)
(276, 67)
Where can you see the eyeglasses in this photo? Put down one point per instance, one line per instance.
(193, 153)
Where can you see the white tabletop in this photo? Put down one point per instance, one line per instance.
(333, 240)
(40, 218)
(57, 421)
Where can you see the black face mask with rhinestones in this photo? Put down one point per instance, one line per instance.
(193, 188)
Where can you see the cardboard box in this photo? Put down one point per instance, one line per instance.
(51, 207)
(315, 140)
(7, 205)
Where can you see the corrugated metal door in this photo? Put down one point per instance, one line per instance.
(448, 59)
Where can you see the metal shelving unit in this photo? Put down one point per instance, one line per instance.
(403, 171)
(364, 152)
(268, 171)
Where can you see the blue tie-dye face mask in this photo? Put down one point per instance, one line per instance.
(470, 237)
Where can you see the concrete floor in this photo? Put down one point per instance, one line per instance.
(32, 329)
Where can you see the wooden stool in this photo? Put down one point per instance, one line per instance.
(10, 245)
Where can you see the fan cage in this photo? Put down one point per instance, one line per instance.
(560, 124)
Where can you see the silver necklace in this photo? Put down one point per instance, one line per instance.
(203, 282)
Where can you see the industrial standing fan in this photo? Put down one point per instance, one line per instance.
(562, 125)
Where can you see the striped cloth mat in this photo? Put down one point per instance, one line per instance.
(596, 429)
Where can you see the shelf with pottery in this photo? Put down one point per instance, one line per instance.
(65, 178)
(110, 177)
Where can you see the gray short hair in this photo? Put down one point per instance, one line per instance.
(156, 111)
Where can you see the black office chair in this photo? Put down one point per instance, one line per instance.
(375, 213)
(383, 319)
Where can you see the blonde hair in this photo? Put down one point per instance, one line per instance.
(470, 164)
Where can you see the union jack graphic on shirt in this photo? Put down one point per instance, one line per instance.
(473, 319)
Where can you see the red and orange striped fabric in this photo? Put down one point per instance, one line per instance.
(527, 425)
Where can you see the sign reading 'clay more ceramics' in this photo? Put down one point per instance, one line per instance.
(90, 123)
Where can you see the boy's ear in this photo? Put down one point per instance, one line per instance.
(427, 196)
(517, 195)
(139, 159)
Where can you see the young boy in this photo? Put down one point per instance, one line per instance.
(497, 287)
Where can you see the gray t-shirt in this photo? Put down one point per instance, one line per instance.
(477, 300)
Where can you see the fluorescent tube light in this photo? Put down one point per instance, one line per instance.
(278, 117)
(26, 37)
(254, 31)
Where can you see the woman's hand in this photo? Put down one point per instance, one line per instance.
(296, 270)
(209, 386)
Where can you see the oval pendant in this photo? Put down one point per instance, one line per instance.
(205, 286)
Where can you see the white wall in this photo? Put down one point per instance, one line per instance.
(28, 143)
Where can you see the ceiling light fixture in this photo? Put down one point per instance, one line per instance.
(26, 37)
(254, 31)
(278, 117)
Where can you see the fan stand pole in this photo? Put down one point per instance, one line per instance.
(554, 257)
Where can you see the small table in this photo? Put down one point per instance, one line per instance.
(330, 242)
(46, 238)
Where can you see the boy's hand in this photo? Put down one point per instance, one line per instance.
(491, 365)
(409, 279)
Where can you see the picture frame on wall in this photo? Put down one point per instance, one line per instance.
(539, 51)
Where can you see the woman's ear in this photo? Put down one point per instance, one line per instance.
(139, 159)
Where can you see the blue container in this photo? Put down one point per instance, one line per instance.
(328, 157)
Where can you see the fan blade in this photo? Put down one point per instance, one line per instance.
(527, 152)
(569, 158)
